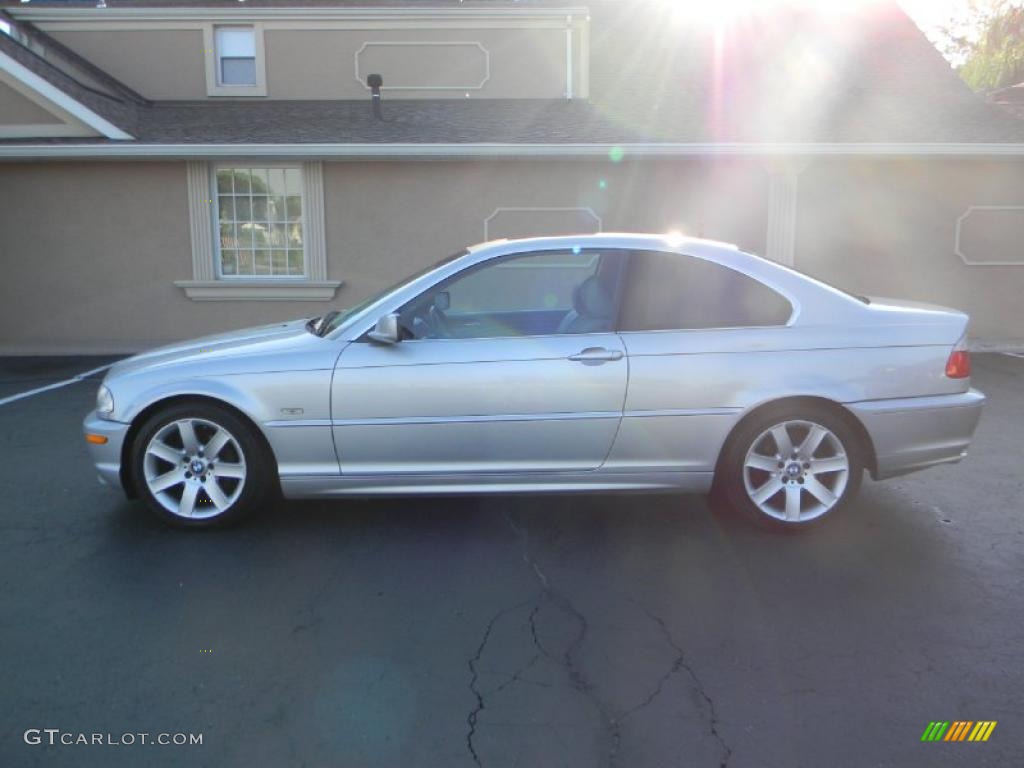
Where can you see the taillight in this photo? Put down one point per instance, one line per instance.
(958, 366)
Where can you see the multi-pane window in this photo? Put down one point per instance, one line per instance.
(236, 55)
(259, 215)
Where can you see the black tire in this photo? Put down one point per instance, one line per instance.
(245, 450)
(736, 484)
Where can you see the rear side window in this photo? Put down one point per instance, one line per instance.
(670, 291)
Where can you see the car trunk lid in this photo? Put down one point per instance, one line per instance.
(942, 325)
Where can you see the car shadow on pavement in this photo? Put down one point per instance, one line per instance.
(895, 538)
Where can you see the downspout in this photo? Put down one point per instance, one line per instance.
(568, 58)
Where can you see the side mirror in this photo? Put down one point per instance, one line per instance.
(385, 331)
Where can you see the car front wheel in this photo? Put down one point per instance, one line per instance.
(791, 468)
(199, 466)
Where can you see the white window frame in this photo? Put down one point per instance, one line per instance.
(213, 84)
(207, 283)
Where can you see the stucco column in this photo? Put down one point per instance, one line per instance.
(780, 241)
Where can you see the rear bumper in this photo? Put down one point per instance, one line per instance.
(918, 432)
(106, 457)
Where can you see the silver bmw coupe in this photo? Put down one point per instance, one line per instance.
(590, 363)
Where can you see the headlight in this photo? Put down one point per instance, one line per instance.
(104, 402)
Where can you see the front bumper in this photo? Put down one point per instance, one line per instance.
(106, 457)
(918, 432)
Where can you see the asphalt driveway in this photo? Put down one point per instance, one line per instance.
(533, 631)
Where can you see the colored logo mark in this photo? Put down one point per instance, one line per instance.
(959, 730)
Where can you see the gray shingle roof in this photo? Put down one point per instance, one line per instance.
(538, 121)
(117, 109)
(448, 120)
(795, 77)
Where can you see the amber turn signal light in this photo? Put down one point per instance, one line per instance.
(958, 366)
(96, 439)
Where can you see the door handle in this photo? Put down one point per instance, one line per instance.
(596, 355)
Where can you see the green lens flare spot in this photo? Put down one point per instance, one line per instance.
(615, 154)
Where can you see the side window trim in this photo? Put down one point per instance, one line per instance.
(604, 334)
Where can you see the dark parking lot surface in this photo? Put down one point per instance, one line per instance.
(519, 631)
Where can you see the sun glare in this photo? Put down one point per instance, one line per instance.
(723, 12)
(716, 13)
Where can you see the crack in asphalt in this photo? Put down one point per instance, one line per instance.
(548, 595)
(533, 631)
(579, 681)
(679, 663)
(576, 677)
(471, 718)
(517, 676)
(312, 607)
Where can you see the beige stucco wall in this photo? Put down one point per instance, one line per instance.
(387, 219)
(158, 63)
(888, 228)
(319, 64)
(89, 255)
(16, 109)
(95, 248)
(91, 250)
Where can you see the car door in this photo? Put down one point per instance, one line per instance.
(510, 366)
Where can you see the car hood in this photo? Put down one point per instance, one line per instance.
(247, 342)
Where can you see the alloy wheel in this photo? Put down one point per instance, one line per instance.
(194, 468)
(796, 471)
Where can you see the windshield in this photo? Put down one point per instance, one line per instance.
(344, 315)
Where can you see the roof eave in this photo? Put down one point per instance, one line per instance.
(457, 151)
(52, 93)
(159, 13)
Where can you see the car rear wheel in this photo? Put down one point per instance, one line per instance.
(790, 468)
(199, 466)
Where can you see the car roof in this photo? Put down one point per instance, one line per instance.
(670, 240)
(819, 302)
(813, 302)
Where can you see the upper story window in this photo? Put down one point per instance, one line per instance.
(235, 61)
(260, 222)
(669, 291)
(236, 55)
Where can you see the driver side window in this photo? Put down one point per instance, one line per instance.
(553, 292)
